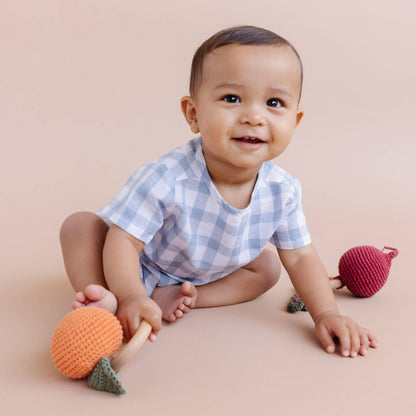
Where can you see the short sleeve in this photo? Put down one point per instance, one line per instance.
(138, 207)
(292, 231)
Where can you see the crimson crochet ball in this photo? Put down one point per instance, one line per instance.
(364, 269)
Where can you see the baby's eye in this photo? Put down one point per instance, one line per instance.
(230, 98)
(274, 102)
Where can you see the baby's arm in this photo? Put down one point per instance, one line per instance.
(122, 272)
(311, 282)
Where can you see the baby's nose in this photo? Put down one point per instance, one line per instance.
(252, 115)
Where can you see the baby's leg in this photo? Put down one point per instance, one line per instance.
(244, 284)
(240, 286)
(82, 239)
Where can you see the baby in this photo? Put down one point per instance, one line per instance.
(193, 228)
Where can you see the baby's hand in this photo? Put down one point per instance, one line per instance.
(135, 308)
(352, 337)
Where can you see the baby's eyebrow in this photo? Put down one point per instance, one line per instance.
(226, 85)
(281, 91)
(273, 90)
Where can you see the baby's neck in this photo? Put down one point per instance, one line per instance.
(237, 196)
(236, 193)
(234, 184)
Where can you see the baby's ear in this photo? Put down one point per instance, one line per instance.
(299, 117)
(189, 111)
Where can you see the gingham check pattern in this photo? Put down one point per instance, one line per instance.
(190, 232)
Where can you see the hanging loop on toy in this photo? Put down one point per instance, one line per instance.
(393, 253)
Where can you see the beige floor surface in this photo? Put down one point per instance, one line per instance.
(90, 90)
(247, 359)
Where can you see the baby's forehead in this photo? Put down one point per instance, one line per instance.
(242, 55)
(247, 49)
(248, 61)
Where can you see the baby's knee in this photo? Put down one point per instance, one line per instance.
(272, 267)
(81, 224)
(269, 268)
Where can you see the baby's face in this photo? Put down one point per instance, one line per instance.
(246, 108)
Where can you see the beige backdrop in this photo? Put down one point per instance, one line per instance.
(89, 90)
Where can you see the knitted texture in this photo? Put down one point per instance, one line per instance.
(104, 378)
(82, 338)
(364, 269)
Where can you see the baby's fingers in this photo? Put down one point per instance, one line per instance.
(325, 339)
(355, 342)
(353, 339)
(348, 342)
(367, 340)
(361, 340)
(364, 343)
(371, 338)
(129, 325)
(154, 317)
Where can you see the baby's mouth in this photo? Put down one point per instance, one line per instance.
(250, 140)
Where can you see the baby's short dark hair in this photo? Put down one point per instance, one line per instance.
(240, 35)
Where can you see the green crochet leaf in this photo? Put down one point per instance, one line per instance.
(296, 304)
(104, 378)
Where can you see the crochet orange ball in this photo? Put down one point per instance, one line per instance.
(82, 338)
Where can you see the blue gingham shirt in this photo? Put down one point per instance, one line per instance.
(190, 232)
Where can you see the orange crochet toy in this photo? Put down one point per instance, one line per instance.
(82, 338)
(84, 341)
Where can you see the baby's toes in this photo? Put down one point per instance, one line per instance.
(80, 297)
(178, 313)
(75, 304)
(79, 300)
(185, 309)
(189, 290)
(182, 307)
(187, 301)
(95, 293)
(172, 318)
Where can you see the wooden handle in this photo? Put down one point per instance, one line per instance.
(336, 283)
(126, 351)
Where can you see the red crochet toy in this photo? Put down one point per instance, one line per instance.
(363, 269)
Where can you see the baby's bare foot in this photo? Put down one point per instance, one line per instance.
(96, 295)
(175, 300)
